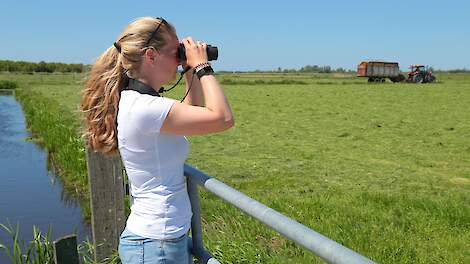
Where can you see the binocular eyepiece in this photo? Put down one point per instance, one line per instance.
(212, 53)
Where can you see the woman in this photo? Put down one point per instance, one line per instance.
(123, 110)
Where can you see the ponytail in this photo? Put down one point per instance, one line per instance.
(100, 101)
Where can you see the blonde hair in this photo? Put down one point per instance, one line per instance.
(108, 77)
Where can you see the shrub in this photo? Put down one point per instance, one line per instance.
(8, 85)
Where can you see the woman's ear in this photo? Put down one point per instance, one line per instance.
(150, 55)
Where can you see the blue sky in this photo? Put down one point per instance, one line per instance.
(250, 35)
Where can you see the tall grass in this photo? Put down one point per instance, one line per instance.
(40, 249)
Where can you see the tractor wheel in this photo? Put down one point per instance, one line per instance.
(398, 78)
(430, 79)
(418, 78)
(401, 77)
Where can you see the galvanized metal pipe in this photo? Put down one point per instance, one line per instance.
(197, 245)
(327, 249)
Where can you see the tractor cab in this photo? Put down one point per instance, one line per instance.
(418, 68)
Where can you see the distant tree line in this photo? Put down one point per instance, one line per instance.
(29, 67)
(463, 70)
(322, 69)
(49, 67)
(315, 69)
(457, 71)
(305, 69)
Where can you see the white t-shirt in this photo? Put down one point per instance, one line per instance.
(160, 206)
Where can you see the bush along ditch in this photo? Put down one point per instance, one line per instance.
(56, 130)
(8, 85)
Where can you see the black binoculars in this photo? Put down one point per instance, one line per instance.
(212, 53)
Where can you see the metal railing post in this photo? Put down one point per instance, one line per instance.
(197, 248)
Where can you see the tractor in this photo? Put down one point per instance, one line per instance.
(420, 74)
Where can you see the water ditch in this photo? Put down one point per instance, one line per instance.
(31, 193)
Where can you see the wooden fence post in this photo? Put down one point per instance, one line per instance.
(106, 187)
(65, 250)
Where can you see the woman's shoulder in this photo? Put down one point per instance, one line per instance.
(146, 111)
(144, 101)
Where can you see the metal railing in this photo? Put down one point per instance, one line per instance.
(107, 191)
(325, 248)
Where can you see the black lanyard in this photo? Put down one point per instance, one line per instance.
(143, 88)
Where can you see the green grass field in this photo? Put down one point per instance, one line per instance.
(383, 169)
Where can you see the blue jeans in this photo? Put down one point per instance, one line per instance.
(134, 249)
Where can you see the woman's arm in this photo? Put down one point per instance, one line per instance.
(194, 96)
(214, 116)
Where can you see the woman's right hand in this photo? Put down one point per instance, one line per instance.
(190, 120)
(196, 53)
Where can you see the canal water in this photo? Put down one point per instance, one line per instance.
(30, 193)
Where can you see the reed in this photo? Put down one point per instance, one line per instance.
(40, 249)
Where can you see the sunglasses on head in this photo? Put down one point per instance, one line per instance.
(162, 21)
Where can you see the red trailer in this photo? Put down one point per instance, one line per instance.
(377, 71)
